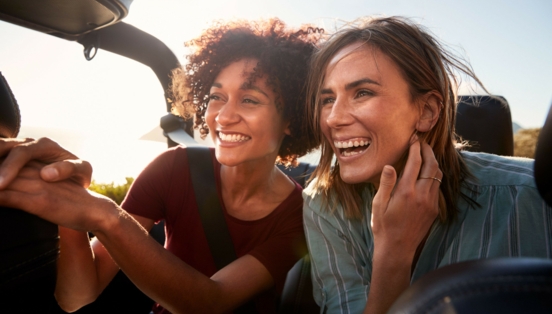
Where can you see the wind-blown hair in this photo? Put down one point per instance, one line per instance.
(283, 56)
(427, 67)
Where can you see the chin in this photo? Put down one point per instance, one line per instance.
(353, 177)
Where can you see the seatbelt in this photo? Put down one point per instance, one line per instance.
(210, 211)
(220, 243)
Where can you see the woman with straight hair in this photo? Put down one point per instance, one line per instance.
(394, 196)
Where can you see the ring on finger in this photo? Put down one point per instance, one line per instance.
(434, 178)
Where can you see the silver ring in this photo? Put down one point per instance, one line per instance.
(436, 179)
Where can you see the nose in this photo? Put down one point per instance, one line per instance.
(228, 113)
(339, 114)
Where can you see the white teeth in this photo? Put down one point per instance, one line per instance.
(233, 137)
(349, 144)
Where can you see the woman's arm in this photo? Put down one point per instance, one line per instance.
(84, 268)
(158, 273)
(402, 215)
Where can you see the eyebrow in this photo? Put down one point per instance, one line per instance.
(351, 85)
(244, 87)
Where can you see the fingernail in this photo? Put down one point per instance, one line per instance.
(50, 173)
(413, 138)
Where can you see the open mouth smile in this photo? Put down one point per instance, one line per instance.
(233, 138)
(351, 147)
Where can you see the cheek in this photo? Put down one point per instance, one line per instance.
(323, 124)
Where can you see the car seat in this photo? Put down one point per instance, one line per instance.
(543, 158)
(486, 122)
(29, 245)
(489, 286)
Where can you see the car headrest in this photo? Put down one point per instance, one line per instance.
(10, 118)
(500, 285)
(543, 156)
(486, 122)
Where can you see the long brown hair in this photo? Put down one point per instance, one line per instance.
(427, 67)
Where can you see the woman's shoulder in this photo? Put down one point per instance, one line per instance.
(315, 202)
(489, 169)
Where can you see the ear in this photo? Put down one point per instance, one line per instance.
(286, 130)
(430, 110)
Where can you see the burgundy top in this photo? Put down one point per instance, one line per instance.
(164, 191)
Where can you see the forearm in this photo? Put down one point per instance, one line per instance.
(76, 283)
(157, 272)
(390, 277)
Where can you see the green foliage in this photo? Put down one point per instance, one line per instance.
(114, 192)
(525, 142)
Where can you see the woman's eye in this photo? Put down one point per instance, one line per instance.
(364, 92)
(327, 100)
(214, 97)
(250, 101)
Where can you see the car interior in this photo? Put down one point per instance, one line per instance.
(484, 121)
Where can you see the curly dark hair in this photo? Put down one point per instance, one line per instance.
(283, 56)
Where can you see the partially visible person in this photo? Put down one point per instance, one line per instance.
(28, 244)
(244, 84)
(402, 198)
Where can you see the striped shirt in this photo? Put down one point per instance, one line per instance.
(513, 221)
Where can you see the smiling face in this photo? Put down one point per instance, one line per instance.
(243, 120)
(367, 112)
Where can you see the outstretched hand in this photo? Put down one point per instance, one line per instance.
(61, 164)
(403, 212)
(64, 203)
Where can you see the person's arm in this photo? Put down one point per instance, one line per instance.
(402, 214)
(158, 273)
(84, 267)
(339, 259)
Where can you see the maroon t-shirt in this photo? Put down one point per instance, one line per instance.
(164, 191)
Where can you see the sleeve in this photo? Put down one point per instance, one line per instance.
(340, 271)
(147, 194)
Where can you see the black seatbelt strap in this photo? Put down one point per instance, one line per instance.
(210, 211)
(202, 173)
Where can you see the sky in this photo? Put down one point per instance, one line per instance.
(99, 109)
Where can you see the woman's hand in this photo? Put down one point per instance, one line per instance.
(64, 203)
(402, 214)
(62, 164)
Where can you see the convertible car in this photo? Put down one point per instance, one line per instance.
(470, 287)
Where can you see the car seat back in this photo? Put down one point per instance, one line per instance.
(500, 285)
(486, 122)
(543, 160)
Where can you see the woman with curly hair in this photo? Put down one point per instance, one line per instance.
(244, 84)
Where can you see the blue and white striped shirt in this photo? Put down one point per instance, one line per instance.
(513, 221)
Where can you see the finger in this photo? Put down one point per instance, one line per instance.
(413, 164)
(436, 184)
(383, 195)
(79, 171)
(6, 144)
(430, 166)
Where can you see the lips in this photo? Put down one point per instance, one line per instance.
(352, 147)
(233, 137)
